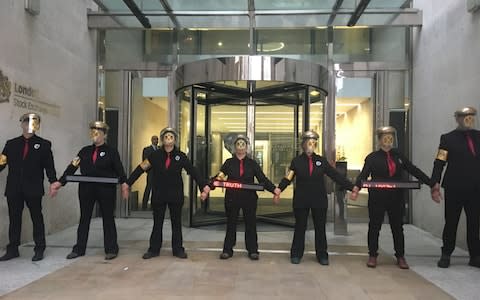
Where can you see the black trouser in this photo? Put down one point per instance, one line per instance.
(249, 216)
(319, 216)
(393, 203)
(104, 195)
(156, 237)
(455, 200)
(147, 192)
(15, 210)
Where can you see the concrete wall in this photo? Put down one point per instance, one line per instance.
(55, 54)
(445, 77)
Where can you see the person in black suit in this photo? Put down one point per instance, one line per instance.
(243, 169)
(387, 164)
(148, 187)
(310, 194)
(96, 160)
(166, 166)
(27, 156)
(460, 151)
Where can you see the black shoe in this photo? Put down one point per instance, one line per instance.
(38, 256)
(9, 256)
(474, 261)
(253, 256)
(295, 260)
(225, 255)
(148, 255)
(444, 261)
(181, 254)
(110, 256)
(323, 261)
(73, 255)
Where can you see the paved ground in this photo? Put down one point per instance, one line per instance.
(204, 276)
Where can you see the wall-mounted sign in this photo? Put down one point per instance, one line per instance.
(24, 96)
(5, 88)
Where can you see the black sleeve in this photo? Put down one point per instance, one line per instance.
(144, 154)
(70, 170)
(134, 176)
(337, 177)
(415, 171)
(4, 152)
(366, 170)
(285, 182)
(193, 172)
(438, 164)
(268, 185)
(118, 166)
(48, 163)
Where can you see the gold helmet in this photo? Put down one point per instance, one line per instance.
(387, 137)
(33, 121)
(99, 125)
(310, 134)
(241, 142)
(168, 136)
(309, 141)
(466, 118)
(466, 111)
(98, 131)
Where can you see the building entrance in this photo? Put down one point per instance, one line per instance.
(272, 113)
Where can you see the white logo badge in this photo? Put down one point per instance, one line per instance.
(36, 146)
(318, 163)
(177, 158)
(102, 154)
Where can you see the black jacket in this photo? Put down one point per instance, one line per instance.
(167, 185)
(26, 176)
(463, 169)
(310, 190)
(108, 164)
(251, 170)
(376, 166)
(147, 151)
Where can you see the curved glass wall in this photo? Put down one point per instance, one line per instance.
(211, 113)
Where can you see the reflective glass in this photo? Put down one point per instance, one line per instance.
(291, 21)
(149, 5)
(289, 4)
(218, 22)
(205, 5)
(386, 3)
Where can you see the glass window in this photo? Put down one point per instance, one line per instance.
(149, 114)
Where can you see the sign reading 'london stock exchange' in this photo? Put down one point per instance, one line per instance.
(24, 96)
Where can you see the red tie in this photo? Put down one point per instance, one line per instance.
(471, 146)
(25, 149)
(94, 155)
(391, 165)
(310, 165)
(241, 167)
(167, 161)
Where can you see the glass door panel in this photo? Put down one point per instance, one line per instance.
(217, 123)
(355, 121)
(149, 114)
(275, 146)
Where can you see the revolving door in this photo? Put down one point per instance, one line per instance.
(272, 113)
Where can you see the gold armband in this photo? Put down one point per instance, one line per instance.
(3, 159)
(290, 175)
(442, 154)
(76, 161)
(145, 165)
(221, 176)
